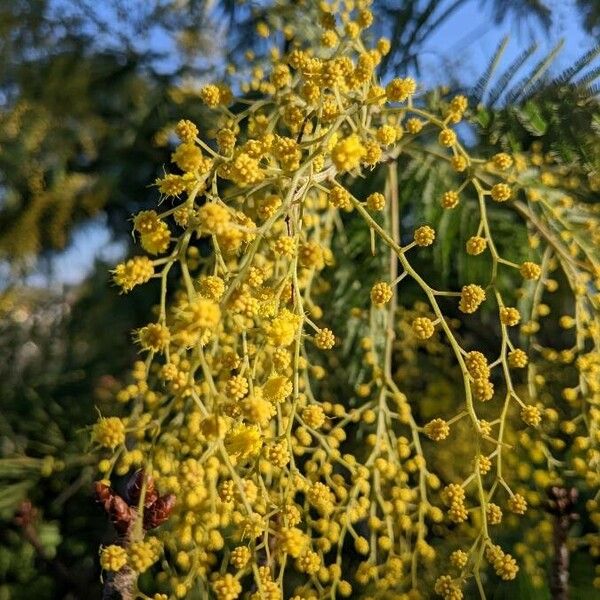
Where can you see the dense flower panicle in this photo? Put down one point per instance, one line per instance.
(313, 416)
(386, 135)
(484, 427)
(243, 441)
(278, 454)
(188, 157)
(277, 389)
(309, 563)
(244, 170)
(484, 464)
(453, 493)
(198, 316)
(293, 541)
(240, 556)
(373, 153)
(146, 221)
(310, 255)
(277, 444)
(459, 104)
(268, 206)
(454, 496)
(226, 139)
(237, 387)
(213, 95)
(284, 246)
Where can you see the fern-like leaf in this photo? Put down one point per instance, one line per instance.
(522, 90)
(509, 74)
(594, 90)
(588, 78)
(484, 81)
(580, 64)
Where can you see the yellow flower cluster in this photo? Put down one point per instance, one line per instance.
(471, 298)
(141, 555)
(109, 432)
(381, 293)
(135, 271)
(113, 558)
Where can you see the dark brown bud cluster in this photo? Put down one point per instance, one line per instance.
(123, 511)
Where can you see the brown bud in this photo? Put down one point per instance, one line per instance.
(159, 511)
(121, 515)
(119, 512)
(134, 489)
(104, 494)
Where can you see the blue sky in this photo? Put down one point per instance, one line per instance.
(471, 36)
(466, 41)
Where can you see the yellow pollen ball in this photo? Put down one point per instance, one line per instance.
(347, 153)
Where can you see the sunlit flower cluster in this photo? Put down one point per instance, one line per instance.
(285, 409)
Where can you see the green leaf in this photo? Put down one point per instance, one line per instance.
(531, 118)
(483, 117)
